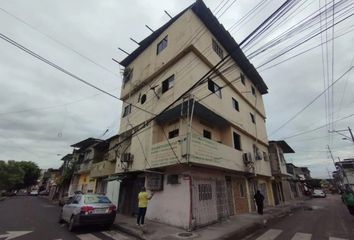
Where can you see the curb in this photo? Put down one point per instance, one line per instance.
(238, 234)
(129, 231)
(253, 227)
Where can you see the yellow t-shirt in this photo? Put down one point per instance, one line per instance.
(143, 199)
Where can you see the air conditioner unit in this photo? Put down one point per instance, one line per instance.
(247, 158)
(172, 179)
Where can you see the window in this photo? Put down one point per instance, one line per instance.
(168, 83)
(205, 192)
(235, 104)
(218, 49)
(127, 74)
(265, 156)
(213, 87)
(237, 141)
(242, 190)
(243, 79)
(206, 134)
(253, 91)
(257, 153)
(161, 45)
(173, 134)
(143, 99)
(253, 118)
(127, 110)
(154, 182)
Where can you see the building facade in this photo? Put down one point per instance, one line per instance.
(197, 140)
(281, 185)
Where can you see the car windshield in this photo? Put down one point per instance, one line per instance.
(89, 199)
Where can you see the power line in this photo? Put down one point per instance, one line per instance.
(317, 128)
(16, 44)
(311, 102)
(58, 42)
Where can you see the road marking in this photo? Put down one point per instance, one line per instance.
(334, 238)
(302, 236)
(270, 234)
(87, 236)
(115, 235)
(14, 234)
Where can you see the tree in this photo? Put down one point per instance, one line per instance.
(31, 173)
(11, 175)
(16, 175)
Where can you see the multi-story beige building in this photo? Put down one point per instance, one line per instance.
(203, 153)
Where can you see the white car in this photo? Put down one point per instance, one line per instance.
(88, 209)
(34, 193)
(318, 193)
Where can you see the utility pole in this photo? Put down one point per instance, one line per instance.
(351, 134)
(330, 152)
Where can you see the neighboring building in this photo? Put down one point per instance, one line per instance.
(85, 154)
(49, 182)
(306, 173)
(297, 181)
(344, 175)
(64, 171)
(206, 154)
(281, 186)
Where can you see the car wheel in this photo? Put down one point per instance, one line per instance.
(108, 226)
(60, 220)
(72, 224)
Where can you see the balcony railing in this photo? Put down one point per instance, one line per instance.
(200, 150)
(103, 168)
(84, 167)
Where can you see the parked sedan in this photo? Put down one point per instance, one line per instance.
(318, 193)
(33, 193)
(88, 209)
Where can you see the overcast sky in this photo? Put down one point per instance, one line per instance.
(44, 111)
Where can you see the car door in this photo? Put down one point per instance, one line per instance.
(68, 208)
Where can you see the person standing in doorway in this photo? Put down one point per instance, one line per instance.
(259, 198)
(143, 199)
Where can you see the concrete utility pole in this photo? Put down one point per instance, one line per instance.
(351, 134)
(330, 152)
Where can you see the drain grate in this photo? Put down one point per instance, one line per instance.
(185, 235)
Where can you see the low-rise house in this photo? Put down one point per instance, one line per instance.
(281, 186)
(84, 154)
(344, 175)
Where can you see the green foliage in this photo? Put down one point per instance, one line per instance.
(67, 175)
(16, 175)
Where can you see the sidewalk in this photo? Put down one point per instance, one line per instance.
(236, 226)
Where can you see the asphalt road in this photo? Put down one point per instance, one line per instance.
(39, 219)
(323, 219)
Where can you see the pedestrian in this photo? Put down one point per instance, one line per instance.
(143, 199)
(259, 198)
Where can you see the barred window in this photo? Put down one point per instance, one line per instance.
(205, 192)
(218, 49)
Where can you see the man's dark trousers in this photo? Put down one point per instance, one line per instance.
(141, 216)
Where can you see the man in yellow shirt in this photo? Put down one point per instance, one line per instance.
(143, 198)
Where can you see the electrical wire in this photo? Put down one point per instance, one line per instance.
(57, 41)
(311, 102)
(16, 44)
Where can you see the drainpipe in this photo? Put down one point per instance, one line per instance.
(190, 228)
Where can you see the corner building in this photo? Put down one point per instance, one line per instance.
(205, 152)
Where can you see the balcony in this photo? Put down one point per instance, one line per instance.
(101, 169)
(202, 151)
(84, 167)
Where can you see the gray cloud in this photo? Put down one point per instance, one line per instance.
(96, 29)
